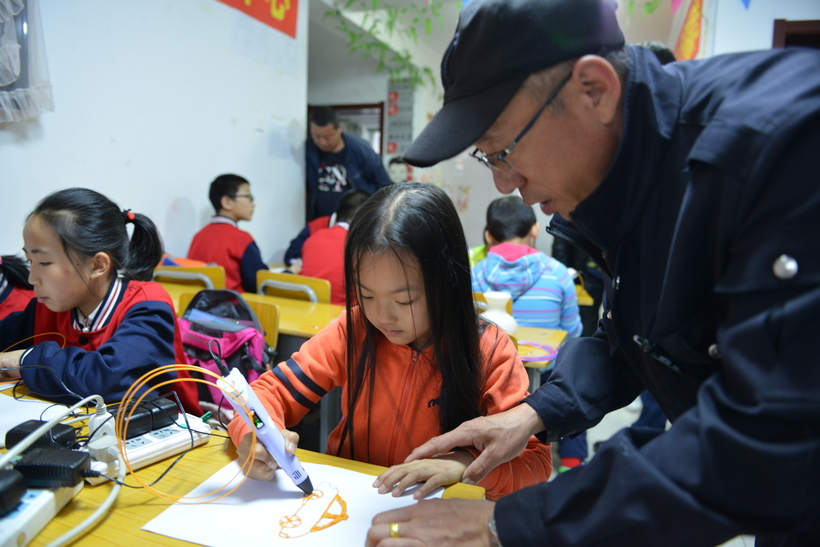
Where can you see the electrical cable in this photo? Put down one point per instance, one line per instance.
(105, 506)
(123, 418)
(37, 433)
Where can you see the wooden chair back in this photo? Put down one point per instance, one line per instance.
(206, 277)
(299, 287)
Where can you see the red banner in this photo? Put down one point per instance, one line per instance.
(689, 40)
(280, 14)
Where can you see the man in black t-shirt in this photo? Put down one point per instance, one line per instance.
(335, 162)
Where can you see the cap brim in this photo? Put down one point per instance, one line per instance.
(460, 123)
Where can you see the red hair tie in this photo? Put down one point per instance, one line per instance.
(129, 216)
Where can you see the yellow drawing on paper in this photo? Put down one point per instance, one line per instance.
(314, 514)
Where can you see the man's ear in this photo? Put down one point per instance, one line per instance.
(100, 265)
(599, 87)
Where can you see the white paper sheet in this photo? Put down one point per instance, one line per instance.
(254, 513)
(16, 411)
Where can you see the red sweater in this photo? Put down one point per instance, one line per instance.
(13, 299)
(222, 242)
(323, 256)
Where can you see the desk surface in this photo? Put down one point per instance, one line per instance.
(134, 508)
(552, 337)
(296, 317)
(300, 317)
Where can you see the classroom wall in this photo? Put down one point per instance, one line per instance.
(741, 29)
(153, 99)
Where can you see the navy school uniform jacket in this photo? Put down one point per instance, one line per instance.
(131, 334)
(707, 229)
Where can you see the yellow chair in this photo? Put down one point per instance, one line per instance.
(481, 303)
(266, 312)
(207, 277)
(584, 298)
(299, 287)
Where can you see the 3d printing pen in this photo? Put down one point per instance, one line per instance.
(266, 431)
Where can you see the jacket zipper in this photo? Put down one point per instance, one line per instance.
(396, 428)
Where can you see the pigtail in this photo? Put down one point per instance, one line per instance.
(16, 271)
(144, 250)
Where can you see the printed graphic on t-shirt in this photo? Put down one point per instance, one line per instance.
(332, 178)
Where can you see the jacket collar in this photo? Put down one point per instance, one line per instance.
(104, 311)
(652, 102)
(217, 219)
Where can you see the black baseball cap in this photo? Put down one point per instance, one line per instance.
(497, 45)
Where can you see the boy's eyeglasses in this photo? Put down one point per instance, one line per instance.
(249, 196)
(498, 161)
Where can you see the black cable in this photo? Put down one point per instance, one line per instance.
(56, 377)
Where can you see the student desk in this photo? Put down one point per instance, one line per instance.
(134, 508)
(552, 337)
(299, 318)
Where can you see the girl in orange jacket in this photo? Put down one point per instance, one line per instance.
(413, 358)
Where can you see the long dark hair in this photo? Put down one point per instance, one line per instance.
(417, 221)
(88, 223)
(16, 271)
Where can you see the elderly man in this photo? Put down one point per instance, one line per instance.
(695, 187)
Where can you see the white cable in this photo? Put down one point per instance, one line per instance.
(40, 431)
(105, 506)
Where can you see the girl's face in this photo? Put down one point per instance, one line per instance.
(393, 298)
(57, 284)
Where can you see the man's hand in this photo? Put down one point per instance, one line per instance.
(264, 465)
(434, 523)
(499, 437)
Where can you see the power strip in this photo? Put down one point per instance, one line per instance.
(35, 510)
(155, 446)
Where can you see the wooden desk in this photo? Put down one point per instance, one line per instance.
(552, 337)
(134, 508)
(299, 318)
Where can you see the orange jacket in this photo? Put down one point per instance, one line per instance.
(404, 411)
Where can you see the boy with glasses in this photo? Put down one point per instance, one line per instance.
(221, 242)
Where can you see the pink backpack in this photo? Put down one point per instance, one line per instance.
(219, 322)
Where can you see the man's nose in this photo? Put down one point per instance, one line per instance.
(506, 182)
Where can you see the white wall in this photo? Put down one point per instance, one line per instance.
(153, 100)
(741, 29)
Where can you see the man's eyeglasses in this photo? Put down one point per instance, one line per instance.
(249, 196)
(498, 161)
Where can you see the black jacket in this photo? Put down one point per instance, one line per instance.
(717, 175)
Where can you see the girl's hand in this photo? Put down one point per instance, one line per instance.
(435, 472)
(10, 360)
(264, 465)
